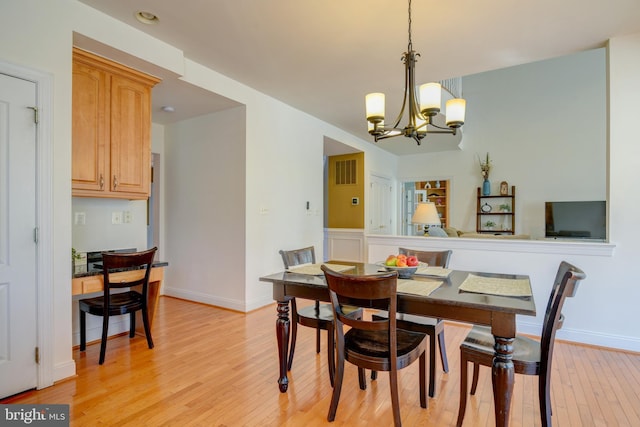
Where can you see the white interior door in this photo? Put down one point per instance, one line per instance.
(380, 205)
(18, 341)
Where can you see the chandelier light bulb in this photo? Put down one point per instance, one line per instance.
(375, 107)
(455, 112)
(430, 98)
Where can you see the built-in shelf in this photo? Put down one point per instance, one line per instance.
(490, 219)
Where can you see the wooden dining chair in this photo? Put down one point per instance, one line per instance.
(427, 325)
(119, 303)
(318, 316)
(530, 357)
(372, 344)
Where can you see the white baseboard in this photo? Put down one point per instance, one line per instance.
(205, 299)
(63, 371)
(578, 336)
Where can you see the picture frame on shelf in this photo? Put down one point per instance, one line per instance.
(504, 188)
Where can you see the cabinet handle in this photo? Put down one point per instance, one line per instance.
(101, 182)
(115, 182)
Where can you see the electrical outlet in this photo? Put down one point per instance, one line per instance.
(127, 217)
(116, 217)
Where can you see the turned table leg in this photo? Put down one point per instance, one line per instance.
(282, 334)
(502, 378)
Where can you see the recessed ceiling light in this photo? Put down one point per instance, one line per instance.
(168, 109)
(146, 17)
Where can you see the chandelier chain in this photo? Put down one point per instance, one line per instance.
(410, 42)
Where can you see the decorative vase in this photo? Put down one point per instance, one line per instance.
(486, 187)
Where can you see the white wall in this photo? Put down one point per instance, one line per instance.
(544, 127)
(98, 232)
(205, 196)
(284, 170)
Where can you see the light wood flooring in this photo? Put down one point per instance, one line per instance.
(213, 367)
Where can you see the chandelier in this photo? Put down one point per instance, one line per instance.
(423, 106)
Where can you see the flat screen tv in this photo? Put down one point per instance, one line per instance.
(576, 220)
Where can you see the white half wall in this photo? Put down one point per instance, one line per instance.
(589, 316)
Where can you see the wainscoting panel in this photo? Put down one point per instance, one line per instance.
(345, 244)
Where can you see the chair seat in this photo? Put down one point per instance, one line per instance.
(309, 316)
(526, 351)
(121, 303)
(426, 325)
(376, 343)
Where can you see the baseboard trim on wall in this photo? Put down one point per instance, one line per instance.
(578, 336)
(206, 299)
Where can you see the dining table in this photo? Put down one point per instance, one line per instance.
(480, 298)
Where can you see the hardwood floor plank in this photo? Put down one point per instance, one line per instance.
(215, 367)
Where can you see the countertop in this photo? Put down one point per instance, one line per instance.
(98, 271)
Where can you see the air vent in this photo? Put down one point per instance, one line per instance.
(345, 172)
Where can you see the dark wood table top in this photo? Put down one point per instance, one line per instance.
(440, 302)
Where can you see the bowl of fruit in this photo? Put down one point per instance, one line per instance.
(405, 265)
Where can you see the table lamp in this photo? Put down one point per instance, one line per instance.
(427, 215)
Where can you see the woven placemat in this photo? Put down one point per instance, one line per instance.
(496, 286)
(314, 269)
(433, 271)
(418, 287)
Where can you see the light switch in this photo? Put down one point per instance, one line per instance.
(79, 218)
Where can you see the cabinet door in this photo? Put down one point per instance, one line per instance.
(130, 136)
(90, 131)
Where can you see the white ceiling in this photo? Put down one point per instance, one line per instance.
(322, 57)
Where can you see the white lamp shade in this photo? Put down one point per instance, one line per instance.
(375, 106)
(455, 112)
(430, 97)
(426, 213)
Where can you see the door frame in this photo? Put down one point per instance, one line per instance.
(44, 217)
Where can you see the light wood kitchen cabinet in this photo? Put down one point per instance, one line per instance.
(111, 129)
